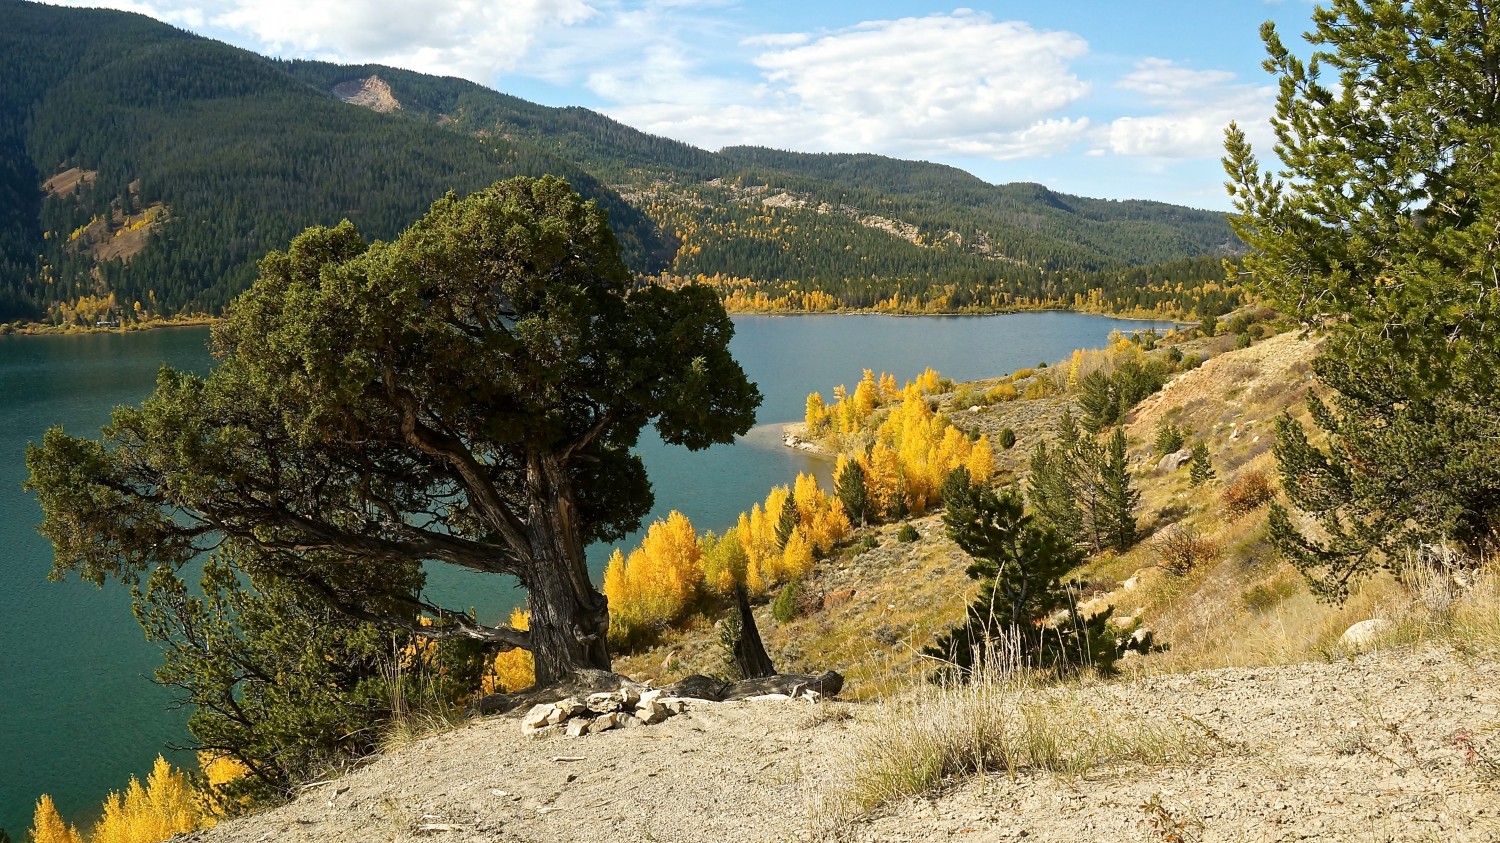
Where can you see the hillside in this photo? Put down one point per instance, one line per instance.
(1251, 718)
(204, 157)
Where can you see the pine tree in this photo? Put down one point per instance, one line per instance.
(1021, 565)
(849, 486)
(1169, 439)
(1201, 469)
(1378, 229)
(1119, 496)
(789, 520)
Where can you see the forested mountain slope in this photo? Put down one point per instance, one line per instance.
(143, 170)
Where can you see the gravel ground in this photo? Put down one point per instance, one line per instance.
(1389, 746)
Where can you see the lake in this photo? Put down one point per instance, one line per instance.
(78, 714)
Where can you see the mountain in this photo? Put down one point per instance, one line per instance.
(144, 170)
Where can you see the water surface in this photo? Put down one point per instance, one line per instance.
(78, 714)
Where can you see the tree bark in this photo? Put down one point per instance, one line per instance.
(569, 617)
(749, 653)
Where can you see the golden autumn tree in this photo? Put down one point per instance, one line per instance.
(164, 806)
(512, 670)
(47, 825)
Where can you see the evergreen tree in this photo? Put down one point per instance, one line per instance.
(1201, 468)
(1379, 229)
(849, 486)
(1169, 439)
(1099, 400)
(1021, 565)
(787, 521)
(1119, 496)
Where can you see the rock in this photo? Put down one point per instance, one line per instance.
(630, 721)
(605, 703)
(1172, 462)
(650, 709)
(605, 722)
(768, 698)
(631, 694)
(538, 718)
(1365, 634)
(1131, 584)
(570, 707)
(677, 705)
(579, 727)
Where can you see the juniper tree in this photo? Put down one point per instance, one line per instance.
(467, 395)
(1201, 467)
(849, 487)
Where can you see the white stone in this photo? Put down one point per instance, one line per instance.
(539, 717)
(1365, 634)
(1130, 584)
(767, 698)
(605, 722)
(578, 728)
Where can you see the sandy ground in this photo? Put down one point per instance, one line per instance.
(1384, 747)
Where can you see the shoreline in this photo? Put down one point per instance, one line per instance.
(37, 329)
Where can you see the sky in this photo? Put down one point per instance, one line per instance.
(1091, 97)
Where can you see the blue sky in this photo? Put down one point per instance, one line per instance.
(1091, 97)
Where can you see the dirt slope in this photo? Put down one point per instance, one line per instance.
(1369, 749)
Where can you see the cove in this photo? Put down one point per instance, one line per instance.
(78, 714)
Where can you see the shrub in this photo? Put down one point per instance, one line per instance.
(968, 397)
(1169, 438)
(1022, 374)
(1247, 493)
(1007, 438)
(1202, 469)
(1003, 392)
(870, 542)
(788, 603)
(1180, 548)
(1243, 340)
(907, 533)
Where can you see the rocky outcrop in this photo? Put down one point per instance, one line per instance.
(1172, 462)
(371, 92)
(1365, 634)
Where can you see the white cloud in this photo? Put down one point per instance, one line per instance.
(951, 84)
(469, 38)
(1192, 109)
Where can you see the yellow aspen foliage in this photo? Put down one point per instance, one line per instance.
(219, 771)
(927, 382)
(796, 557)
(981, 461)
(658, 583)
(724, 562)
(816, 415)
(882, 477)
(512, 670)
(866, 397)
(164, 806)
(47, 825)
(744, 537)
(888, 389)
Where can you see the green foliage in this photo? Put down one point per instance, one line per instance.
(1105, 398)
(467, 394)
(1007, 438)
(247, 151)
(1083, 490)
(849, 487)
(1243, 340)
(1021, 565)
(1383, 216)
(788, 602)
(787, 521)
(1169, 438)
(1118, 496)
(1201, 467)
(907, 533)
(278, 681)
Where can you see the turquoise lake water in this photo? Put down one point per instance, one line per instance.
(78, 713)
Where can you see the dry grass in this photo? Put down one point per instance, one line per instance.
(999, 723)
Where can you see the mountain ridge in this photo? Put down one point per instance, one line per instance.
(244, 151)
